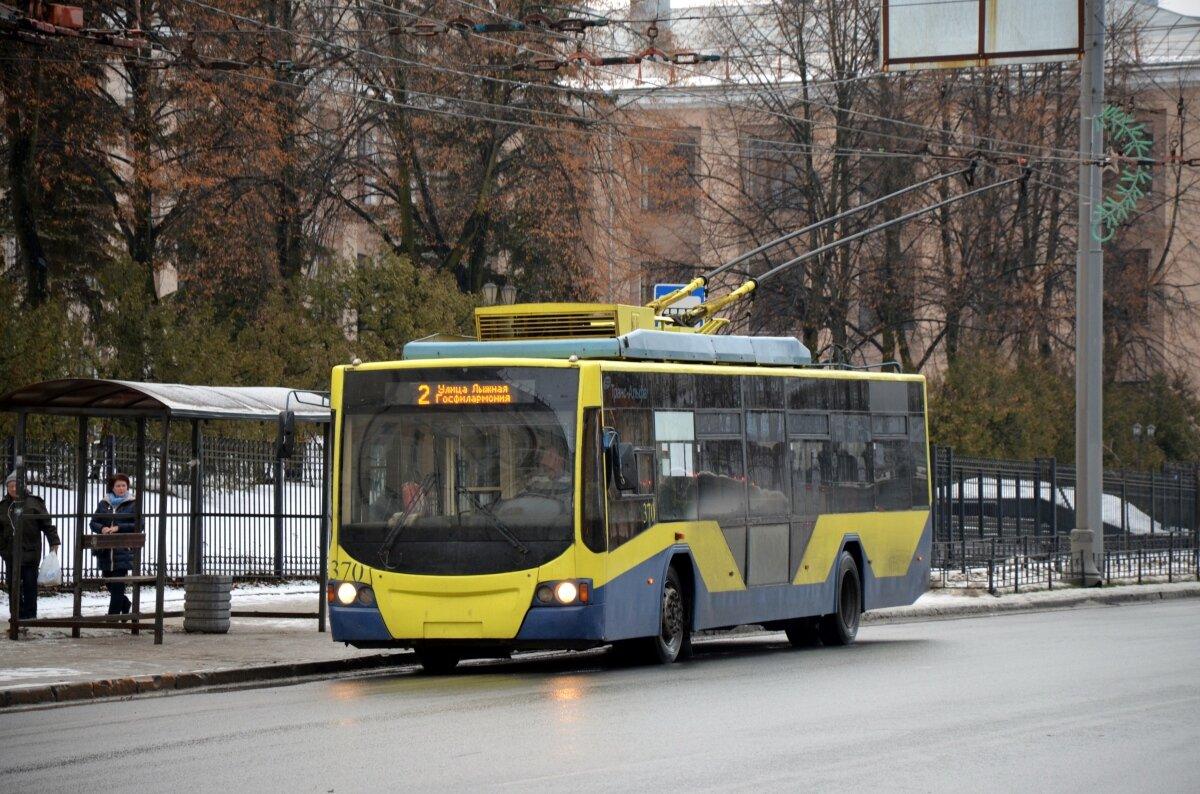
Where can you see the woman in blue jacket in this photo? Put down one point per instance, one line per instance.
(117, 512)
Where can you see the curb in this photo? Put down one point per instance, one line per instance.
(129, 686)
(1070, 598)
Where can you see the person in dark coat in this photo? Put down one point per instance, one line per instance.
(117, 512)
(25, 515)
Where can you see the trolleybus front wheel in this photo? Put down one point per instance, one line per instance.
(841, 626)
(437, 661)
(674, 640)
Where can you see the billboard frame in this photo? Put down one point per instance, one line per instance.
(980, 57)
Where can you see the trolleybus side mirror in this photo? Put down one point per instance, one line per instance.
(621, 461)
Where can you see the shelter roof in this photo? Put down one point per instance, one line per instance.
(98, 397)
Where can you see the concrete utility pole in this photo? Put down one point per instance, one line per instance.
(1087, 539)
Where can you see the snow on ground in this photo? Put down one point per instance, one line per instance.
(245, 596)
(945, 602)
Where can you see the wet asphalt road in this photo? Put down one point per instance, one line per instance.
(1098, 699)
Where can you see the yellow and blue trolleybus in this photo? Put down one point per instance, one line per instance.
(577, 476)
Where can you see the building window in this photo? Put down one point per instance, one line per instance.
(772, 173)
(670, 172)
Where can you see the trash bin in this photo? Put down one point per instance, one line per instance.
(206, 602)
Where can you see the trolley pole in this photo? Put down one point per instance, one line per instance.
(1087, 539)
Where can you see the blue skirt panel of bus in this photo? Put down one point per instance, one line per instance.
(559, 623)
(633, 606)
(357, 623)
(624, 607)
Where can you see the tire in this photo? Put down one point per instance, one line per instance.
(207, 614)
(841, 626)
(206, 625)
(674, 638)
(437, 661)
(206, 590)
(803, 632)
(206, 602)
(207, 584)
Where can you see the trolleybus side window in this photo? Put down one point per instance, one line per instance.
(808, 424)
(631, 513)
(892, 460)
(592, 529)
(916, 399)
(893, 475)
(673, 390)
(721, 481)
(765, 444)
(854, 489)
(626, 390)
(675, 434)
(764, 391)
(718, 391)
(805, 394)
(916, 445)
(812, 476)
(889, 397)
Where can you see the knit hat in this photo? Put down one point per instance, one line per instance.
(12, 477)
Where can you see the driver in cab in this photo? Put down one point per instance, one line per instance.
(552, 476)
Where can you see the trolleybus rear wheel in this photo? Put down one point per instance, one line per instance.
(840, 627)
(437, 661)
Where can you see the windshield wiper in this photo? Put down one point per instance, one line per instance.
(385, 548)
(499, 525)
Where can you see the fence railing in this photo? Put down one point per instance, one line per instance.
(255, 524)
(1032, 563)
(978, 499)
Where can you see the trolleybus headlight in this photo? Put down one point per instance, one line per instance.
(566, 592)
(346, 593)
(366, 596)
(545, 594)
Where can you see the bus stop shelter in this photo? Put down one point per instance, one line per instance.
(157, 407)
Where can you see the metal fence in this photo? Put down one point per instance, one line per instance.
(1043, 563)
(1003, 524)
(255, 523)
(977, 499)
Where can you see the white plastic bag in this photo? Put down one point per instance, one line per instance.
(50, 571)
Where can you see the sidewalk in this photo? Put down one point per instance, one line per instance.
(49, 666)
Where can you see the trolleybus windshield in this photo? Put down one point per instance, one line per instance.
(458, 470)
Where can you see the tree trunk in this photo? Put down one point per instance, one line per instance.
(22, 145)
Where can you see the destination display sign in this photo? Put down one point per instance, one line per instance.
(459, 393)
